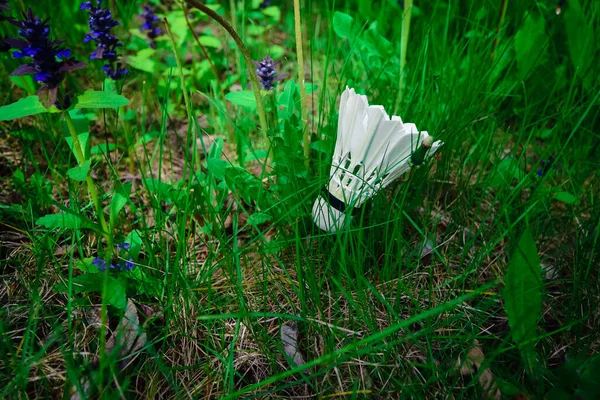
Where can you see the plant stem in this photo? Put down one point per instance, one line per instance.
(88, 178)
(186, 97)
(500, 23)
(253, 80)
(403, 47)
(300, 55)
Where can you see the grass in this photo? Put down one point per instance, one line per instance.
(228, 251)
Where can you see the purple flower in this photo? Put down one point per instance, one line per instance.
(150, 24)
(101, 23)
(49, 61)
(265, 4)
(265, 70)
(545, 167)
(120, 260)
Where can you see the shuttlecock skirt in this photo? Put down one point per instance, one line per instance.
(327, 217)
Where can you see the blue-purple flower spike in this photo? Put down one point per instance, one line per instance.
(101, 22)
(49, 61)
(265, 70)
(150, 25)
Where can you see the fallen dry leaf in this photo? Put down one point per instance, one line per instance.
(129, 337)
(472, 364)
(289, 338)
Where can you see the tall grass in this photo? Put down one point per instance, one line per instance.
(389, 308)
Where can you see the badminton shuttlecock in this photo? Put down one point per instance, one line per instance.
(371, 151)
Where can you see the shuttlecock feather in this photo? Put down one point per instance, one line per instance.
(371, 151)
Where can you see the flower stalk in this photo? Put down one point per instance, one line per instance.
(300, 55)
(403, 47)
(253, 79)
(88, 178)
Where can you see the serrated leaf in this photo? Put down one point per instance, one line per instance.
(530, 44)
(566, 198)
(523, 296)
(342, 24)
(25, 107)
(95, 99)
(60, 220)
(242, 98)
(80, 172)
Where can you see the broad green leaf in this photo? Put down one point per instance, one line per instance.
(116, 294)
(25, 82)
(135, 240)
(80, 172)
(84, 142)
(119, 200)
(504, 173)
(217, 167)
(342, 24)
(143, 60)
(273, 12)
(243, 98)
(103, 148)
(23, 108)
(210, 41)
(276, 51)
(566, 198)
(95, 99)
(311, 87)
(86, 265)
(61, 220)
(259, 218)
(580, 37)
(530, 44)
(523, 296)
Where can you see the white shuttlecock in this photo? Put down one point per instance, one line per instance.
(371, 151)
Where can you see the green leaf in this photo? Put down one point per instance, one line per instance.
(566, 198)
(507, 170)
(210, 41)
(23, 108)
(119, 200)
(273, 12)
(143, 60)
(86, 265)
(259, 218)
(342, 24)
(61, 220)
(530, 44)
(311, 87)
(217, 167)
(580, 37)
(103, 148)
(135, 240)
(243, 98)
(116, 294)
(95, 99)
(523, 296)
(80, 172)
(84, 141)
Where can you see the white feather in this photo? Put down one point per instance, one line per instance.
(371, 151)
